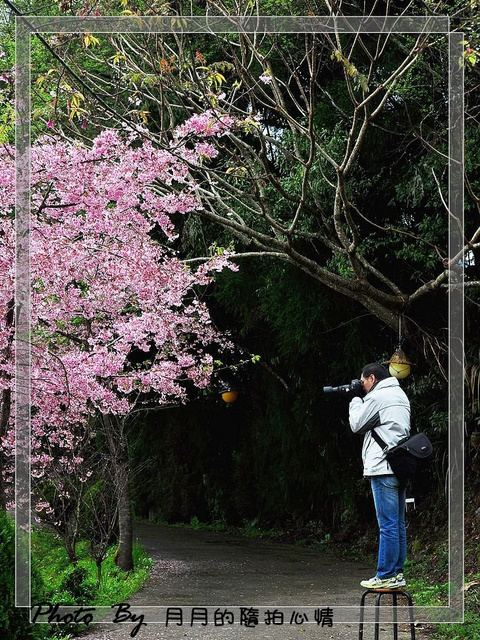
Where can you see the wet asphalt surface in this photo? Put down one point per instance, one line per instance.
(217, 586)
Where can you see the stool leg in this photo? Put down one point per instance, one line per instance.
(378, 596)
(412, 620)
(395, 619)
(377, 616)
(362, 616)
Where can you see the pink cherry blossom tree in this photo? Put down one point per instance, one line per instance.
(7, 252)
(116, 320)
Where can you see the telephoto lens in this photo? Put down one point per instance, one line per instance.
(343, 388)
(355, 388)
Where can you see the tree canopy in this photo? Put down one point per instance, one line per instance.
(338, 161)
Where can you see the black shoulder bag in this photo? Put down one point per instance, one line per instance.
(410, 454)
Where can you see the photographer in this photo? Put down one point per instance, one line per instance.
(385, 408)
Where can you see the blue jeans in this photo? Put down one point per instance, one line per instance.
(390, 507)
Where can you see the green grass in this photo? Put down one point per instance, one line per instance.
(430, 590)
(471, 627)
(427, 595)
(252, 529)
(434, 595)
(117, 585)
(68, 585)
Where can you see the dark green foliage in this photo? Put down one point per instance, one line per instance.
(282, 455)
(14, 622)
(186, 454)
(77, 583)
(68, 584)
(298, 439)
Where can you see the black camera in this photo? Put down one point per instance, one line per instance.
(355, 388)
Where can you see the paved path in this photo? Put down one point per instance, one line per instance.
(213, 578)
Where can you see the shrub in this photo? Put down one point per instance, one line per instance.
(79, 585)
(14, 622)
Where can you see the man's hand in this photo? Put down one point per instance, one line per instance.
(356, 390)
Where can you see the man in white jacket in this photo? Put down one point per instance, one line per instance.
(385, 408)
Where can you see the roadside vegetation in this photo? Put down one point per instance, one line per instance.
(55, 580)
(77, 584)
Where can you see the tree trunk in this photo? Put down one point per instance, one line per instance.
(117, 446)
(99, 563)
(124, 555)
(71, 549)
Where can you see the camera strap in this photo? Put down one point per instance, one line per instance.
(379, 441)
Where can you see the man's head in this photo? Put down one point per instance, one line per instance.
(371, 374)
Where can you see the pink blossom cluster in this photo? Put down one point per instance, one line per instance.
(114, 313)
(209, 123)
(217, 263)
(113, 175)
(7, 252)
(266, 78)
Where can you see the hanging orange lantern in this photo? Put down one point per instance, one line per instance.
(228, 390)
(229, 396)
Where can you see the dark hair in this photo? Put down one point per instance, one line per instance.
(378, 370)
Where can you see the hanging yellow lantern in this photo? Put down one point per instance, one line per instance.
(398, 365)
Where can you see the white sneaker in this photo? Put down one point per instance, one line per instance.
(400, 580)
(378, 583)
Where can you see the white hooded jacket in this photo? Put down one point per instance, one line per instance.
(387, 409)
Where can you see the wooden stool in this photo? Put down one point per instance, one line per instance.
(379, 593)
